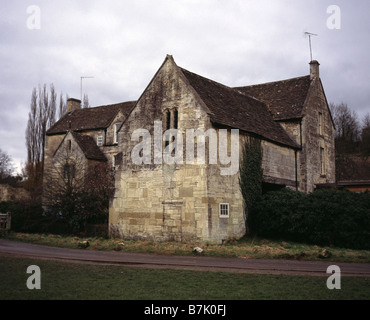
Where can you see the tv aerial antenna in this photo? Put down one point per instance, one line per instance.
(309, 34)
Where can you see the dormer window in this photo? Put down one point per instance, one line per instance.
(116, 128)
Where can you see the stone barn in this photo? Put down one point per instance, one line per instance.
(176, 150)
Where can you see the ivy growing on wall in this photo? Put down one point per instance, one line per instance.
(251, 172)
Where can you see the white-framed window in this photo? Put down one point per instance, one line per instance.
(99, 140)
(116, 128)
(224, 210)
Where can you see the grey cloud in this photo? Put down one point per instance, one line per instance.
(122, 44)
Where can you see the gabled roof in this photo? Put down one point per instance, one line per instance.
(90, 118)
(285, 99)
(231, 107)
(89, 147)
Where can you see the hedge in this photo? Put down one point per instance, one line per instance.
(26, 216)
(29, 216)
(324, 217)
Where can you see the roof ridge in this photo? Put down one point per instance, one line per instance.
(90, 118)
(234, 89)
(271, 82)
(228, 106)
(205, 78)
(112, 104)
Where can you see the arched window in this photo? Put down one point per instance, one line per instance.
(171, 119)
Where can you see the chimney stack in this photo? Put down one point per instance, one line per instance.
(73, 104)
(314, 69)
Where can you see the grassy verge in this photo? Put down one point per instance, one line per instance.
(252, 248)
(61, 281)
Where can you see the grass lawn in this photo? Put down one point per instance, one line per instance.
(72, 281)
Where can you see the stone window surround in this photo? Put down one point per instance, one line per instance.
(224, 210)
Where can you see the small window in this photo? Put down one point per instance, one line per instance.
(224, 210)
(322, 160)
(69, 145)
(99, 140)
(172, 122)
(321, 124)
(175, 119)
(114, 161)
(168, 120)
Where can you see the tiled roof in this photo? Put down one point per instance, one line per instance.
(89, 147)
(285, 99)
(90, 118)
(232, 108)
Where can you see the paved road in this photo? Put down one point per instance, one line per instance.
(10, 248)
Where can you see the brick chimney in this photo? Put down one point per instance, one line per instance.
(73, 104)
(314, 69)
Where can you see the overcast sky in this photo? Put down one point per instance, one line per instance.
(123, 43)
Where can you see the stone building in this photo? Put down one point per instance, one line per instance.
(176, 150)
(80, 141)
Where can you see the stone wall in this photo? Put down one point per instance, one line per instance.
(8, 193)
(160, 201)
(317, 135)
(278, 164)
(180, 202)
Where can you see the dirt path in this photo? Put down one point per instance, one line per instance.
(18, 249)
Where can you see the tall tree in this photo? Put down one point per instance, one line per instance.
(42, 115)
(62, 105)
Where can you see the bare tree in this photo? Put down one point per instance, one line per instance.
(62, 105)
(6, 167)
(347, 128)
(366, 121)
(78, 190)
(365, 137)
(41, 117)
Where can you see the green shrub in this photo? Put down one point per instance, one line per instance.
(324, 217)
